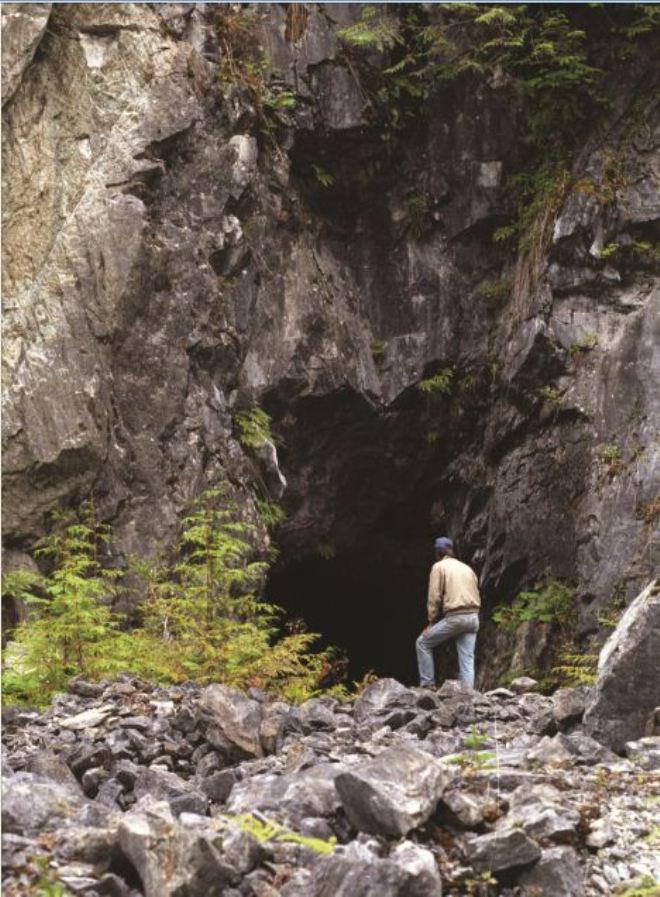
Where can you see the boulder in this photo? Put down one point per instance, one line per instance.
(289, 797)
(500, 850)
(29, 805)
(357, 872)
(557, 874)
(626, 690)
(645, 752)
(568, 705)
(170, 859)
(87, 719)
(550, 752)
(462, 809)
(163, 785)
(217, 787)
(539, 810)
(48, 765)
(523, 685)
(235, 718)
(384, 694)
(394, 793)
(22, 29)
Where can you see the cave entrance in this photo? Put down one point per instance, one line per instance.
(369, 605)
(362, 510)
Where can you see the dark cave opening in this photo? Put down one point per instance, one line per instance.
(362, 511)
(370, 607)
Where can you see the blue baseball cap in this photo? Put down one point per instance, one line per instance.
(443, 543)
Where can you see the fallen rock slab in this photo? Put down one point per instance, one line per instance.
(393, 793)
(626, 690)
(506, 849)
(557, 874)
(235, 718)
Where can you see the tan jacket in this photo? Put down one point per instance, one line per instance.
(453, 587)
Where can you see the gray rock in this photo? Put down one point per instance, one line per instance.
(87, 719)
(217, 786)
(523, 685)
(393, 793)
(557, 874)
(550, 752)
(626, 690)
(48, 765)
(506, 849)
(29, 805)
(645, 752)
(290, 797)
(181, 796)
(235, 717)
(356, 872)
(384, 694)
(172, 860)
(568, 705)
(540, 811)
(461, 808)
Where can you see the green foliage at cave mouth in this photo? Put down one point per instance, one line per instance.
(200, 615)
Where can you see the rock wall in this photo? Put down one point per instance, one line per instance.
(167, 262)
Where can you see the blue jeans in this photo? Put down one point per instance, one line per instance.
(463, 628)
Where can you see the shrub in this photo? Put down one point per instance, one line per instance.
(201, 617)
(70, 630)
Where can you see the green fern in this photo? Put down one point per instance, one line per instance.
(266, 830)
(254, 427)
(438, 383)
(550, 603)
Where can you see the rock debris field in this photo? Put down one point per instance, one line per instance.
(120, 789)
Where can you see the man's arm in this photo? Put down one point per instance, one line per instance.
(434, 604)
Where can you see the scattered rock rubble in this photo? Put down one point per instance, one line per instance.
(123, 789)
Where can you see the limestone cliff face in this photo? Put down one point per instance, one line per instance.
(166, 263)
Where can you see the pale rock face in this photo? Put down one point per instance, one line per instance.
(22, 29)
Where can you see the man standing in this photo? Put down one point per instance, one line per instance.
(454, 597)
